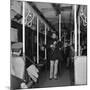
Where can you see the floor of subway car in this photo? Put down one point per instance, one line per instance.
(63, 79)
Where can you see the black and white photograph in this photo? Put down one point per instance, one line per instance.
(48, 44)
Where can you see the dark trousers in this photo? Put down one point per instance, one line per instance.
(71, 70)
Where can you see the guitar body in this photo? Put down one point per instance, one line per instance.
(56, 51)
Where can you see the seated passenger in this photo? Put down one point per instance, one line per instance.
(18, 68)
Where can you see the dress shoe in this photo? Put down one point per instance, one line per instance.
(50, 78)
(56, 78)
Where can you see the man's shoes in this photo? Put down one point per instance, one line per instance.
(50, 78)
(56, 78)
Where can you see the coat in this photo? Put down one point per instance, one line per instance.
(55, 53)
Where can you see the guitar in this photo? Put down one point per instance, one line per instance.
(53, 46)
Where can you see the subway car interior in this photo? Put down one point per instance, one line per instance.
(32, 26)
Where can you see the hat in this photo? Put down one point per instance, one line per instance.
(17, 45)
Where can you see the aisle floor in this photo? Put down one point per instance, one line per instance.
(63, 79)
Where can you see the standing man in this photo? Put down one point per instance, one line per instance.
(55, 56)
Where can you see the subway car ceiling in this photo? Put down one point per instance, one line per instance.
(50, 13)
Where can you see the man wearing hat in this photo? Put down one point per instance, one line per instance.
(55, 56)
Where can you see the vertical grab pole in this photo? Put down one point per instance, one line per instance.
(60, 26)
(45, 42)
(75, 40)
(78, 35)
(23, 28)
(75, 30)
(37, 40)
(23, 32)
